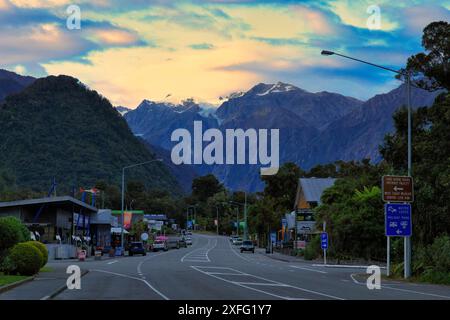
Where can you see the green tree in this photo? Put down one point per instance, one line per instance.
(431, 68)
(205, 186)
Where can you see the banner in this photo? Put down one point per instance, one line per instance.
(127, 215)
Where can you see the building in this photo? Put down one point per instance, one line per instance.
(48, 217)
(309, 193)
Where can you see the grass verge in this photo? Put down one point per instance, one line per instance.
(8, 279)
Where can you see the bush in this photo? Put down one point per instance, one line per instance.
(12, 231)
(43, 249)
(25, 258)
(312, 249)
(432, 263)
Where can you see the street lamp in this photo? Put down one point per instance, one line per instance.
(123, 192)
(245, 215)
(407, 240)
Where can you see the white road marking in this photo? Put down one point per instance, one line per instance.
(269, 283)
(399, 289)
(308, 269)
(111, 262)
(200, 254)
(134, 278)
(341, 266)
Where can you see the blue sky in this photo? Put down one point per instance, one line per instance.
(134, 50)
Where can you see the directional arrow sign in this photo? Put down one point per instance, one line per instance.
(398, 219)
(397, 189)
(324, 240)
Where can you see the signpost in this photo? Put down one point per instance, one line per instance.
(398, 191)
(398, 219)
(324, 245)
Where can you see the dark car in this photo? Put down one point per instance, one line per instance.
(137, 248)
(247, 245)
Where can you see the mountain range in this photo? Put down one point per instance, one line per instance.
(58, 128)
(315, 128)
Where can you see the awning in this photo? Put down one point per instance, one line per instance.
(118, 230)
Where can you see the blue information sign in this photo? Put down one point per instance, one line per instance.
(324, 240)
(398, 219)
(273, 237)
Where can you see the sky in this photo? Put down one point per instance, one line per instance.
(164, 50)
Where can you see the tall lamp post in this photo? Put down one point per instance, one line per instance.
(245, 215)
(123, 192)
(407, 240)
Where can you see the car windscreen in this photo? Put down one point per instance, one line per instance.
(247, 243)
(136, 244)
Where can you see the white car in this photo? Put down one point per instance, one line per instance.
(237, 241)
(188, 241)
(160, 245)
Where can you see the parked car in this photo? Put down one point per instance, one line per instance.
(189, 233)
(233, 238)
(248, 245)
(136, 248)
(173, 242)
(188, 241)
(160, 244)
(237, 241)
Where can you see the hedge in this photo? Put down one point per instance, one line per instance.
(43, 249)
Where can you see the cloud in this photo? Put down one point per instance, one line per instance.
(208, 48)
(201, 46)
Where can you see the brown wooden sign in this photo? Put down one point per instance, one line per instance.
(397, 189)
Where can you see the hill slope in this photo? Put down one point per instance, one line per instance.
(58, 128)
(11, 82)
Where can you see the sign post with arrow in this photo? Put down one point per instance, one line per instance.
(397, 191)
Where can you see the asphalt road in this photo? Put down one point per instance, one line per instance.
(212, 268)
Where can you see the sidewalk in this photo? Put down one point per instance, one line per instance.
(330, 262)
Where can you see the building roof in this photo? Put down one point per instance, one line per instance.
(314, 187)
(62, 200)
(103, 216)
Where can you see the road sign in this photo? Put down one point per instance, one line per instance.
(324, 240)
(398, 219)
(305, 227)
(397, 189)
(273, 237)
(144, 236)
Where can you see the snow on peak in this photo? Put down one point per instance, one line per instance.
(278, 87)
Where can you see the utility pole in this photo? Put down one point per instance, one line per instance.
(217, 220)
(245, 217)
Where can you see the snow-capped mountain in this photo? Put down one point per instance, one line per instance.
(122, 110)
(315, 128)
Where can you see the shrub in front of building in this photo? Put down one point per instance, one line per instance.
(12, 231)
(25, 259)
(43, 249)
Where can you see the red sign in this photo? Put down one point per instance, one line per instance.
(397, 189)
